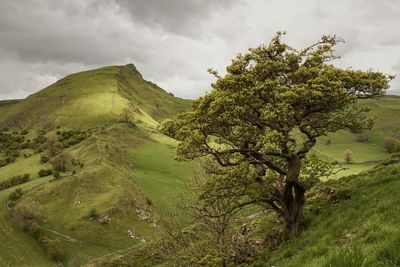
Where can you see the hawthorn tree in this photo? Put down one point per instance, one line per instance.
(266, 113)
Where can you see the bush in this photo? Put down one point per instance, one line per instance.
(13, 181)
(348, 156)
(23, 214)
(392, 144)
(54, 147)
(362, 138)
(44, 159)
(61, 161)
(56, 175)
(52, 247)
(45, 172)
(16, 194)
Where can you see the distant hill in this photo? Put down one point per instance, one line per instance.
(94, 97)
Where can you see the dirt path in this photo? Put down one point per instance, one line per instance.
(70, 239)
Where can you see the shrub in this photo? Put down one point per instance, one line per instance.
(40, 139)
(348, 156)
(392, 144)
(13, 181)
(362, 138)
(16, 194)
(56, 175)
(52, 247)
(23, 213)
(55, 147)
(44, 159)
(61, 161)
(25, 145)
(45, 172)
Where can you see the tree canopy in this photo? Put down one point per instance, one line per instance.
(266, 113)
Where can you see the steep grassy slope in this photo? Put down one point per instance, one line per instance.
(18, 248)
(355, 225)
(94, 97)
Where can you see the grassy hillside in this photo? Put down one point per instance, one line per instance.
(127, 178)
(94, 97)
(356, 224)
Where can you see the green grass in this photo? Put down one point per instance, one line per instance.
(361, 231)
(29, 165)
(361, 152)
(161, 177)
(18, 248)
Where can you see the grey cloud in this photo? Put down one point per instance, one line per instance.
(174, 42)
(44, 34)
(175, 16)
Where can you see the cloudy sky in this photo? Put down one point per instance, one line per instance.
(174, 42)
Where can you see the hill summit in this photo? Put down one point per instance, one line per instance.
(92, 98)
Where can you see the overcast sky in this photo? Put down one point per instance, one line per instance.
(174, 42)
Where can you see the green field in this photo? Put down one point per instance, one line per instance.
(161, 177)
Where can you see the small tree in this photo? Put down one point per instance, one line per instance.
(16, 194)
(269, 109)
(392, 144)
(348, 156)
(61, 162)
(53, 146)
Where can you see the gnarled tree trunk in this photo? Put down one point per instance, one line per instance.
(293, 199)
